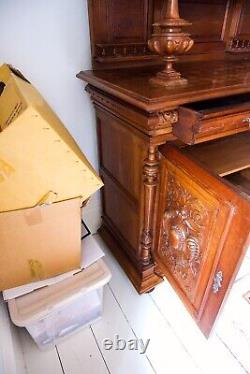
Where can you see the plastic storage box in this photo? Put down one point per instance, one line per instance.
(53, 312)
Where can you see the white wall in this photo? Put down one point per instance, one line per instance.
(48, 40)
(11, 356)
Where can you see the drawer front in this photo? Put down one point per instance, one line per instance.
(203, 232)
(194, 127)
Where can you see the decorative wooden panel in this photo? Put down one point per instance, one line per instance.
(193, 11)
(203, 231)
(121, 153)
(208, 18)
(210, 28)
(120, 29)
(240, 28)
(189, 214)
(132, 29)
(184, 230)
(121, 213)
(243, 29)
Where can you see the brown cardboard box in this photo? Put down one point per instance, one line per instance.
(40, 242)
(37, 154)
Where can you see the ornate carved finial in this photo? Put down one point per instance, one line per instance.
(168, 40)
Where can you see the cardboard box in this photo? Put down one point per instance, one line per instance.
(40, 242)
(37, 153)
(92, 253)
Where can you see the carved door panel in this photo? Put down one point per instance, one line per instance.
(203, 229)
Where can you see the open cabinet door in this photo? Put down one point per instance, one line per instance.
(203, 234)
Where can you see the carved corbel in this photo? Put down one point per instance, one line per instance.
(170, 117)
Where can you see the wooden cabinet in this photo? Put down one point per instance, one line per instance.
(174, 160)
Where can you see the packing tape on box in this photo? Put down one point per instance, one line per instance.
(34, 217)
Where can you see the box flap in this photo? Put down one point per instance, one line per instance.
(39, 243)
(90, 253)
(34, 98)
(39, 152)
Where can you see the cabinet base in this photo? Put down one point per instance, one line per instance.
(141, 284)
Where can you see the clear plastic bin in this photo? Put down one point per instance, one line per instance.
(54, 312)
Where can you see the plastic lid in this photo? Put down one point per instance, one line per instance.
(40, 303)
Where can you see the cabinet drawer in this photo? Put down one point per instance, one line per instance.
(212, 119)
(204, 221)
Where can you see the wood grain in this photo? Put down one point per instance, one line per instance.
(206, 81)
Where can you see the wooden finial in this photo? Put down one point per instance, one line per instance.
(168, 40)
(173, 10)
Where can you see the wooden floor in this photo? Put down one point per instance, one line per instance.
(176, 345)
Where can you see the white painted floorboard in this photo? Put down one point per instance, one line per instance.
(38, 362)
(11, 360)
(165, 351)
(234, 327)
(80, 354)
(209, 354)
(176, 345)
(114, 322)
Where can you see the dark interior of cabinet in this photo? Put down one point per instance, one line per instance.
(241, 179)
(223, 104)
(227, 157)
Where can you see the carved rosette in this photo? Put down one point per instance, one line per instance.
(168, 40)
(183, 233)
(150, 180)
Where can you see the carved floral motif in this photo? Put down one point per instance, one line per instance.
(183, 232)
(168, 117)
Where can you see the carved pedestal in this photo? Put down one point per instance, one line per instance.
(169, 41)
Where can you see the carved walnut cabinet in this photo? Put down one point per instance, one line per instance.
(175, 158)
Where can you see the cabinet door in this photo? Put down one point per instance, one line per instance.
(203, 225)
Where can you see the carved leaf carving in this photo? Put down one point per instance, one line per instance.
(183, 232)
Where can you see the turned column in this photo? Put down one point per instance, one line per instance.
(150, 174)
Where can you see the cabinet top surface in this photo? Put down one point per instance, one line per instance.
(206, 80)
